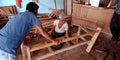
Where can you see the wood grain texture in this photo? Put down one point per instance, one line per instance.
(92, 17)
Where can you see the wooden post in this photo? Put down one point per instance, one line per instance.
(23, 51)
(78, 33)
(28, 53)
(83, 30)
(49, 48)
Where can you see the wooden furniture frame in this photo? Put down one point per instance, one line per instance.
(27, 49)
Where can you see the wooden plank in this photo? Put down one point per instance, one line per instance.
(22, 51)
(39, 46)
(45, 24)
(84, 31)
(28, 53)
(61, 50)
(78, 33)
(49, 48)
(94, 38)
(45, 18)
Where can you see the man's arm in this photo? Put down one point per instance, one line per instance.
(44, 33)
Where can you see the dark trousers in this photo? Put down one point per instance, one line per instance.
(56, 35)
(115, 27)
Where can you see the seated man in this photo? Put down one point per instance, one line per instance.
(59, 29)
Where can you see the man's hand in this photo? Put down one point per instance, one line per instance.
(50, 32)
(56, 42)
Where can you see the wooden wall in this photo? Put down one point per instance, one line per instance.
(8, 10)
(92, 17)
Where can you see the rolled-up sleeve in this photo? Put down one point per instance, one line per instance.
(35, 21)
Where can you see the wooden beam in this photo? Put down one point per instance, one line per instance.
(61, 50)
(23, 51)
(65, 6)
(28, 53)
(83, 30)
(94, 38)
(49, 48)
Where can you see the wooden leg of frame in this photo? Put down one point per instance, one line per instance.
(92, 41)
(28, 53)
(23, 51)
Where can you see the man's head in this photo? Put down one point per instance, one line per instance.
(62, 17)
(32, 7)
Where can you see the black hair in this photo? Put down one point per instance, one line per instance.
(31, 6)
